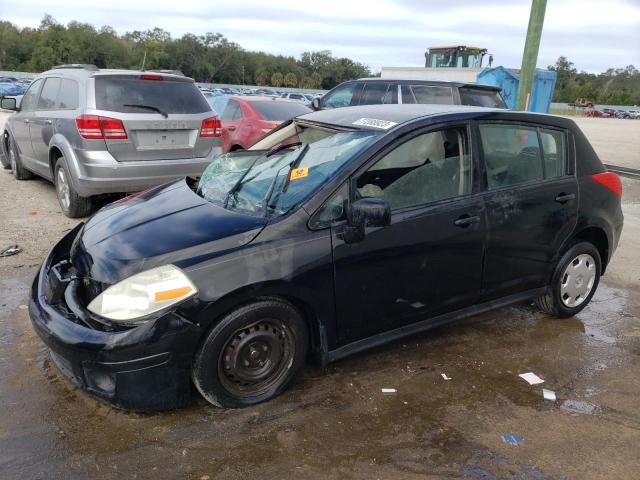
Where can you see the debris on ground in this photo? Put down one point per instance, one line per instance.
(10, 250)
(22, 307)
(578, 407)
(389, 390)
(32, 213)
(626, 313)
(513, 439)
(444, 375)
(532, 378)
(549, 394)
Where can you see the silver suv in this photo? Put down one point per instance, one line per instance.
(94, 132)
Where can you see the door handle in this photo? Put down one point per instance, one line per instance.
(48, 122)
(465, 220)
(231, 128)
(565, 197)
(26, 120)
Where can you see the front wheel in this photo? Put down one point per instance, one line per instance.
(574, 281)
(19, 172)
(251, 355)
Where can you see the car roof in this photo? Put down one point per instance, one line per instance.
(258, 98)
(79, 73)
(443, 83)
(400, 114)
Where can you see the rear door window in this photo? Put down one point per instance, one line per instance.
(67, 95)
(49, 94)
(118, 94)
(427, 94)
(279, 111)
(376, 93)
(479, 97)
(231, 111)
(512, 155)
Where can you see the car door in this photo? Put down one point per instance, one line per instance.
(41, 126)
(532, 204)
(428, 261)
(231, 119)
(20, 121)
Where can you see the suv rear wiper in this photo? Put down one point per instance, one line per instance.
(148, 107)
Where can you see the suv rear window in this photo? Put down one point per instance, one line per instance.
(279, 111)
(113, 93)
(479, 97)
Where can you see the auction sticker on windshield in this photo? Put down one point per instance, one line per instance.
(374, 122)
(298, 173)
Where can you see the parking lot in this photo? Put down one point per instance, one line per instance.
(337, 423)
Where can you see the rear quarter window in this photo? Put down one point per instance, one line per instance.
(113, 93)
(478, 97)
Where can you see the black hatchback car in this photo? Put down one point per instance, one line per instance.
(338, 231)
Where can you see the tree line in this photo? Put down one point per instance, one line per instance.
(619, 86)
(209, 58)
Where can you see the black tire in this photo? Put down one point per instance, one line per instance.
(559, 304)
(15, 164)
(71, 204)
(4, 158)
(271, 334)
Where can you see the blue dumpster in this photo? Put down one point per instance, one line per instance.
(508, 79)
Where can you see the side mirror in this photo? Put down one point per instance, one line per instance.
(369, 212)
(8, 103)
(315, 103)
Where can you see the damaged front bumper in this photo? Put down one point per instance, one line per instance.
(147, 367)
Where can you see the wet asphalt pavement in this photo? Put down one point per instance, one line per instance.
(337, 423)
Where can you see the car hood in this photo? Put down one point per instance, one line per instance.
(166, 224)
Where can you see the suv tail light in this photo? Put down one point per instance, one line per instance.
(93, 127)
(211, 127)
(610, 181)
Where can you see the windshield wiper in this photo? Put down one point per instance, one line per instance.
(236, 186)
(291, 165)
(148, 107)
(283, 147)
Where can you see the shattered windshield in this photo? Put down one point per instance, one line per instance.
(271, 181)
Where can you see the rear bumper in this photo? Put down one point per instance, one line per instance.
(96, 172)
(144, 368)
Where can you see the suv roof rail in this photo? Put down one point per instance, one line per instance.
(83, 66)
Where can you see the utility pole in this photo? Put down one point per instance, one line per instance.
(530, 54)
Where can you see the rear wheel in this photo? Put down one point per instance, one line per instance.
(251, 355)
(15, 164)
(72, 204)
(574, 282)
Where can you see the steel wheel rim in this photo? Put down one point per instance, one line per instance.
(577, 280)
(62, 186)
(256, 358)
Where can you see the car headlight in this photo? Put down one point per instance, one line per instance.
(143, 293)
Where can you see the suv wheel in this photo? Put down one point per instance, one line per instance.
(15, 164)
(72, 204)
(251, 355)
(574, 281)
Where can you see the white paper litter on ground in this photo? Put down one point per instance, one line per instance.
(389, 390)
(532, 378)
(549, 394)
(444, 375)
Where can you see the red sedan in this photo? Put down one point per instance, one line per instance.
(247, 119)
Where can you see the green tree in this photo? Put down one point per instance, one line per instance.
(290, 80)
(277, 79)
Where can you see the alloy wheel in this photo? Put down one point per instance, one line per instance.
(62, 188)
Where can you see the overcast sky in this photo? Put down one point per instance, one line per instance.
(594, 34)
